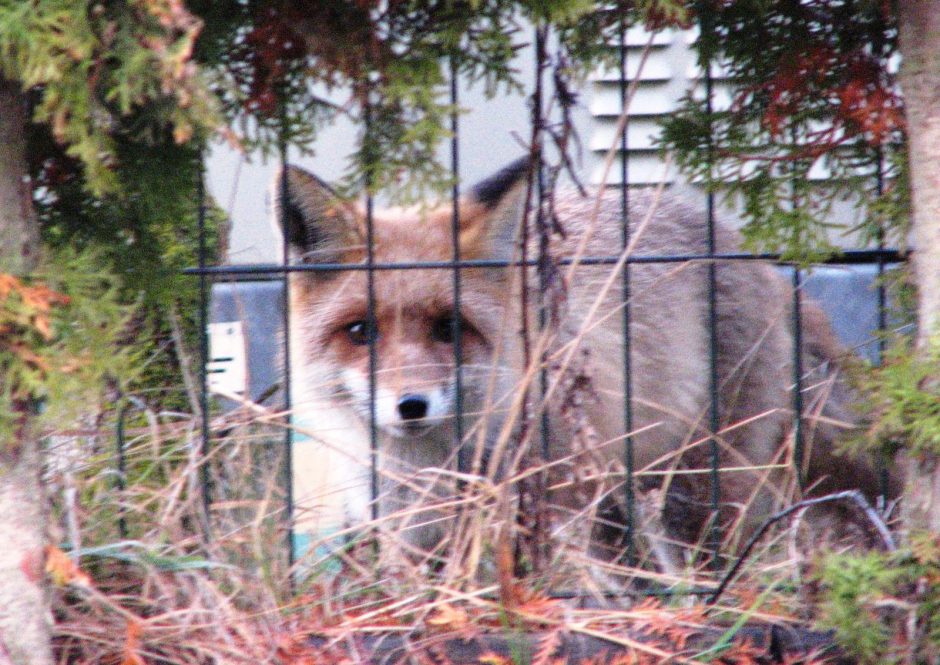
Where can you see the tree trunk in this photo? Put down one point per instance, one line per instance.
(24, 606)
(18, 234)
(919, 34)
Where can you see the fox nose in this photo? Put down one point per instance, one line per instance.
(413, 407)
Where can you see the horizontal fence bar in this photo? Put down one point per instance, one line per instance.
(849, 257)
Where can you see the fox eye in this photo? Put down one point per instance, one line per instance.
(444, 328)
(361, 332)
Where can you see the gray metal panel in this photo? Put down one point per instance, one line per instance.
(846, 293)
(849, 295)
(259, 305)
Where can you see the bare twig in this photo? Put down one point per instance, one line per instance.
(854, 496)
(185, 365)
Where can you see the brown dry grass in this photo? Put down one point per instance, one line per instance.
(166, 592)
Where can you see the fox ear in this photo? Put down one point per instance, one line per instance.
(318, 226)
(492, 213)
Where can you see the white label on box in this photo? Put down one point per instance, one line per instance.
(227, 368)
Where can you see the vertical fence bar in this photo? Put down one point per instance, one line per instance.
(714, 536)
(371, 323)
(797, 323)
(205, 441)
(882, 294)
(463, 465)
(625, 303)
(285, 322)
(121, 465)
(885, 475)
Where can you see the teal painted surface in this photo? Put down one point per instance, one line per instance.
(324, 543)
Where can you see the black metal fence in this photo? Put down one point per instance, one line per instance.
(878, 258)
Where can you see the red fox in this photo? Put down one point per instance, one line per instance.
(412, 331)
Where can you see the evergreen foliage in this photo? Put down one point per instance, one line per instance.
(813, 96)
(63, 332)
(885, 607)
(275, 71)
(903, 400)
(97, 62)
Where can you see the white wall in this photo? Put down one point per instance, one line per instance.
(490, 134)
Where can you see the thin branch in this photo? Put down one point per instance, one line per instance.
(854, 496)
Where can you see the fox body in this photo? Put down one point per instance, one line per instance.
(406, 338)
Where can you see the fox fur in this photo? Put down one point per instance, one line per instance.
(415, 385)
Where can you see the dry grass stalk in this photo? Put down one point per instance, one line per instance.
(162, 594)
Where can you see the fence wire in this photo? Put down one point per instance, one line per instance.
(881, 257)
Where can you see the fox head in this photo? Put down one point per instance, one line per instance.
(406, 335)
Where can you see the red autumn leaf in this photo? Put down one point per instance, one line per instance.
(63, 570)
(132, 645)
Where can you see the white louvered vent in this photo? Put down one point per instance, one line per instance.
(669, 72)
